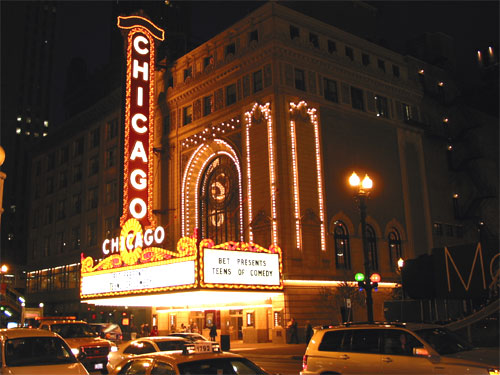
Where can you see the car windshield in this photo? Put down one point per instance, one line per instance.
(240, 366)
(444, 341)
(36, 351)
(73, 330)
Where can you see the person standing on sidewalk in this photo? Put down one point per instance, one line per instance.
(294, 335)
(213, 332)
(309, 331)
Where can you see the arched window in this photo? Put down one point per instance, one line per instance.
(219, 211)
(342, 249)
(394, 241)
(371, 243)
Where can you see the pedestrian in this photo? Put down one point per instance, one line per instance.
(154, 331)
(294, 337)
(213, 332)
(309, 331)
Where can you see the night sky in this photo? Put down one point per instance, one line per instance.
(85, 32)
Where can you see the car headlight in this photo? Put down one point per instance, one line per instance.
(75, 351)
(113, 348)
(493, 371)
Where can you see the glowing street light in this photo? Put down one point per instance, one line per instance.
(362, 190)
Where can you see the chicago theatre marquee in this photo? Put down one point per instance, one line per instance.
(215, 273)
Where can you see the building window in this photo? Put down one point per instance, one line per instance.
(49, 213)
(449, 230)
(91, 233)
(111, 156)
(330, 90)
(109, 226)
(349, 53)
(253, 36)
(395, 71)
(313, 39)
(94, 138)
(92, 198)
(381, 65)
(60, 242)
(78, 147)
(38, 168)
(112, 129)
(332, 46)
(51, 161)
(77, 172)
(93, 165)
(187, 115)
(208, 102)
(219, 200)
(437, 229)
(357, 99)
(394, 242)
(365, 59)
(257, 81)
(407, 112)
(382, 106)
(188, 73)
(75, 237)
(64, 154)
(371, 242)
(460, 231)
(294, 32)
(230, 50)
(230, 94)
(77, 203)
(342, 248)
(63, 179)
(300, 79)
(208, 61)
(111, 192)
(50, 185)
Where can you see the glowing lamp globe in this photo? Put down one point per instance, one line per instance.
(375, 278)
(359, 277)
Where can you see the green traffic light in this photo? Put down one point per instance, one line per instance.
(359, 277)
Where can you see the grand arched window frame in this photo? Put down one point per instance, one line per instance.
(342, 245)
(219, 202)
(394, 245)
(371, 243)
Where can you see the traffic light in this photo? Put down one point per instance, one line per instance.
(372, 283)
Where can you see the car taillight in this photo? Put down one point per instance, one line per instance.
(304, 363)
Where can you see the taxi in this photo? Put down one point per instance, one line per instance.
(36, 351)
(196, 358)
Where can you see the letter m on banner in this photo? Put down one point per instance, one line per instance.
(476, 263)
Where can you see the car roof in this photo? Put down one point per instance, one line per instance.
(356, 325)
(14, 333)
(160, 338)
(179, 357)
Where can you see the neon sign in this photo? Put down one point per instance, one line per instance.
(139, 119)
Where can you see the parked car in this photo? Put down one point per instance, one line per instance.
(394, 349)
(145, 345)
(89, 348)
(202, 357)
(108, 331)
(190, 336)
(36, 351)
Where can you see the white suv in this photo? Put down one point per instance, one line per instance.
(382, 348)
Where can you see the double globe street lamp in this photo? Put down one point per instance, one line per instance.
(361, 192)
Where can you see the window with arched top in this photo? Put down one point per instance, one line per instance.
(219, 201)
(394, 242)
(371, 243)
(342, 248)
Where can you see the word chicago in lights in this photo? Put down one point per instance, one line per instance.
(135, 261)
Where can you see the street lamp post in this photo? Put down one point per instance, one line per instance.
(363, 189)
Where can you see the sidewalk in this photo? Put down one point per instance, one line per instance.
(295, 351)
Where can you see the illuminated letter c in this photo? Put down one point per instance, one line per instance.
(143, 40)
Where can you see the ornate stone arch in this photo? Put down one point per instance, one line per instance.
(191, 180)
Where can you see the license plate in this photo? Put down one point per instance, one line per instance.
(203, 347)
(98, 366)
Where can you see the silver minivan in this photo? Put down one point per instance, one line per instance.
(395, 349)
